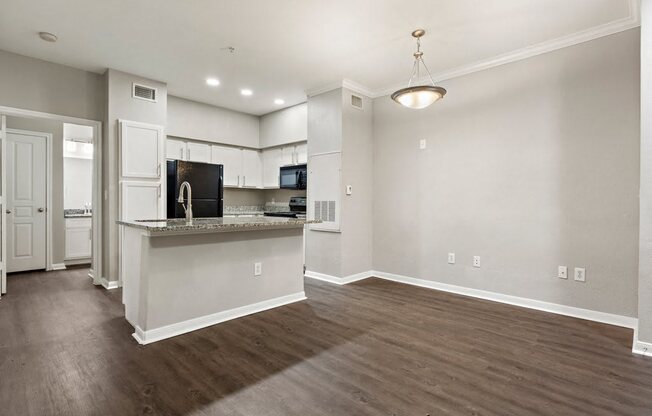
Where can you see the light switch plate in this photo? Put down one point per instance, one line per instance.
(422, 144)
(349, 189)
(580, 274)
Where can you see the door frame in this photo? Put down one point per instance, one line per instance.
(97, 268)
(48, 189)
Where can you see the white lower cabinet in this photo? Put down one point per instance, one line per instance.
(79, 237)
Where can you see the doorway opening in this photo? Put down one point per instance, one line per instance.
(50, 193)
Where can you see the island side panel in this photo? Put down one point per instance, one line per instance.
(199, 275)
(132, 254)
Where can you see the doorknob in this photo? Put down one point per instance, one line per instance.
(41, 210)
(8, 211)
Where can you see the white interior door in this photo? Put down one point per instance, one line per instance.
(26, 201)
(3, 204)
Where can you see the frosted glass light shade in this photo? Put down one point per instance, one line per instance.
(418, 97)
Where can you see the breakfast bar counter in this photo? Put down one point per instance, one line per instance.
(180, 276)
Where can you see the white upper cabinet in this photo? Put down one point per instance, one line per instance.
(287, 157)
(231, 159)
(198, 152)
(289, 125)
(251, 169)
(175, 149)
(141, 150)
(272, 161)
(301, 151)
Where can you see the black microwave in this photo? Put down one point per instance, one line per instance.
(293, 177)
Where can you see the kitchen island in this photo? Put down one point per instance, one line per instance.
(181, 276)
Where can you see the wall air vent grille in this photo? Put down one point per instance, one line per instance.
(325, 211)
(356, 101)
(143, 92)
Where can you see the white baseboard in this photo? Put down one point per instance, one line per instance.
(603, 317)
(58, 266)
(157, 334)
(338, 280)
(640, 347)
(113, 284)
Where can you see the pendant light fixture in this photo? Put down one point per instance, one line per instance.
(418, 96)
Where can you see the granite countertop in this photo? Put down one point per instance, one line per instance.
(225, 224)
(76, 213)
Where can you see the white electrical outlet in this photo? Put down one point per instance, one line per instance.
(562, 272)
(258, 269)
(476, 261)
(422, 144)
(580, 274)
(451, 258)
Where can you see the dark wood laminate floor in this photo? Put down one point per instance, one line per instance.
(369, 348)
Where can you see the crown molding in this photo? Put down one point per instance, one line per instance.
(345, 83)
(620, 25)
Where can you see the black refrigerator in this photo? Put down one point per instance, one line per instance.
(206, 181)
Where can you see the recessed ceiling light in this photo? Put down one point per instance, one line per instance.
(278, 101)
(213, 82)
(246, 92)
(47, 36)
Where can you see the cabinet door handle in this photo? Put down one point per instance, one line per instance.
(158, 190)
(181, 152)
(244, 180)
(188, 154)
(158, 170)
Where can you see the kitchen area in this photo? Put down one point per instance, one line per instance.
(209, 231)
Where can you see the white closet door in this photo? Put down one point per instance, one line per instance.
(175, 149)
(3, 195)
(141, 150)
(198, 152)
(251, 169)
(231, 158)
(26, 201)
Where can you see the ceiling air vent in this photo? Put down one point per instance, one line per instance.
(356, 101)
(143, 92)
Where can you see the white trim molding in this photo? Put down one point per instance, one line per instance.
(58, 266)
(619, 25)
(157, 334)
(339, 280)
(590, 315)
(110, 284)
(640, 347)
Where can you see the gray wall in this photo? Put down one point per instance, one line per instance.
(58, 222)
(334, 125)
(645, 253)
(529, 165)
(357, 171)
(32, 84)
(284, 126)
(193, 120)
(121, 105)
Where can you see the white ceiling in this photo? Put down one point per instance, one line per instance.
(286, 47)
